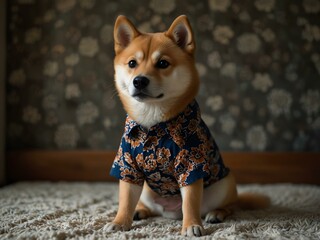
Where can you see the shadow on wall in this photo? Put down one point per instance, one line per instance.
(259, 62)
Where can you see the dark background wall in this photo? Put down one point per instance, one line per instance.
(259, 62)
(2, 91)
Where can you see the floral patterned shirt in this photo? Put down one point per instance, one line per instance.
(169, 155)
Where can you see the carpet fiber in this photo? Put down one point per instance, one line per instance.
(80, 211)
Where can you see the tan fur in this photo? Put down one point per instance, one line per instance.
(192, 199)
(176, 46)
(142, 211)
(128, 198)
(252, 201)
(148, 43)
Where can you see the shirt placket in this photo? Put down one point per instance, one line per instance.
(144, 137)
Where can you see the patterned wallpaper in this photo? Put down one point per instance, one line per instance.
(259, 62)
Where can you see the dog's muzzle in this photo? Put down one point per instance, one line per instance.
(140, 82)
(141, 92)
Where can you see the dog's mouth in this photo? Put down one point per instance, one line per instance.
(142, 96)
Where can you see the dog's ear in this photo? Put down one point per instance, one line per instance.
(181, 33)
(124, 32)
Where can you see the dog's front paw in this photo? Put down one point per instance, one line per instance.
(193, 231)
(114, 227)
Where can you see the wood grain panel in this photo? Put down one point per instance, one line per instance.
(59, 165)
(95, 166)
(275, 167)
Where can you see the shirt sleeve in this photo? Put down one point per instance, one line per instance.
(193, 159)
(125, 166)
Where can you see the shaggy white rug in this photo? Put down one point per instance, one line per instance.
(80, 211)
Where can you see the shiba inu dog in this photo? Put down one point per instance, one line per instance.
(168, 163)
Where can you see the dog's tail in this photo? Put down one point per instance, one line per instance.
(251, 201)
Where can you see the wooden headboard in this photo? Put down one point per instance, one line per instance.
(264, 167)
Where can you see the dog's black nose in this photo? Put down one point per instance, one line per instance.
(140, 82)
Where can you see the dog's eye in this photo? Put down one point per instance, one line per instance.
(162, 64)
(132, 63)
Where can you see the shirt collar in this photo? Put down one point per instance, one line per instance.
(192, 111)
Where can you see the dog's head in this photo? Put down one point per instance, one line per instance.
(155, 68)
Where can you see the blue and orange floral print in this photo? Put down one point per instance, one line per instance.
(169, 155)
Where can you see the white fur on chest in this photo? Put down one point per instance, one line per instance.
(148, 114)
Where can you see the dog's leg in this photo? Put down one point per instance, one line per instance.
(129, 195)
(219, 200)
(142, 212)
(191, 204)
(146, 207)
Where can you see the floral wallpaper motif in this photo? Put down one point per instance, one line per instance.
(259, 62)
